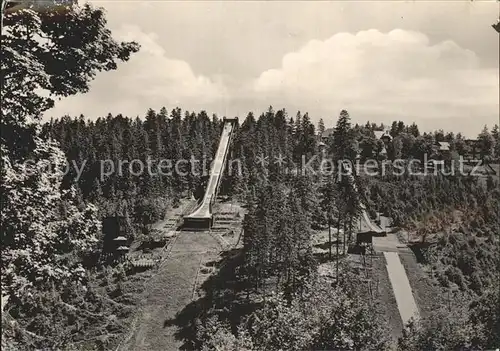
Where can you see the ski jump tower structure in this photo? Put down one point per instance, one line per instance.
(202, 217)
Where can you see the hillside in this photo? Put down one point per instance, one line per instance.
(275, 229)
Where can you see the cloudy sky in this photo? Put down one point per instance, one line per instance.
(432, 62)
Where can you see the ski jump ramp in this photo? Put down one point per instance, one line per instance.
(364, 215)
(202, 217)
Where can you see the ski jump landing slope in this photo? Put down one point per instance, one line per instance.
(201, 218)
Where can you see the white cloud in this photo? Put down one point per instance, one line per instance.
(149, 79)
(384, 76)
(376, 76)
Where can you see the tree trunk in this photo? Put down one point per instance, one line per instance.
(350, 228)
(343, 241)
(337, 245)
(278, 279)
(330, 237)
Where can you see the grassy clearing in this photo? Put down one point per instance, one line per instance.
(180, 283)
(428, 295)
(385, 301)
(167, 293)
(375, 287)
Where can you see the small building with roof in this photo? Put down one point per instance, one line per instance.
(442, 150)
(327, 134)
(443, 146)
(383, 135)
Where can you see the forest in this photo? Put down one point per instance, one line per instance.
(61, 296)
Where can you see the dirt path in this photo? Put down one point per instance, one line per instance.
(169, 291)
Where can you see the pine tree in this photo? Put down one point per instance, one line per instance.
(496, 139)
(413, 129)
(308, 139)
(486, 143)
(327, 203)
(342, 137)
(321, 127)
(394, 129)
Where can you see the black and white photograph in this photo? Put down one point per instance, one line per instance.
(240, 175)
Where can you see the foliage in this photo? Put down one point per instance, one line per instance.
(74, 317)
(471, 326)
(47, 229)
(148, 211)
(45, 233)
(460, 215)
(39, 53)
(325, 318)
(280, 326)
(215, 335)
(484, 313)
(467, 259)
(49, 225)
(343, 145)
(444, 330)
(486, 143)
(277, 240)
(350, 326)
(184, 134)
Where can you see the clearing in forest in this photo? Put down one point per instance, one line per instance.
(186, 265)
(169, 291)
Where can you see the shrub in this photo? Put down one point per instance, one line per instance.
(455, 275)
(475, 283)
(442, 279)
(443, 330)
